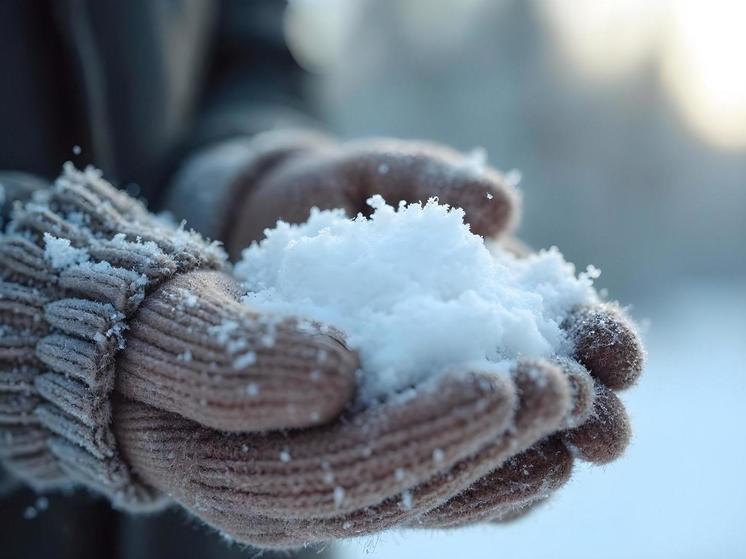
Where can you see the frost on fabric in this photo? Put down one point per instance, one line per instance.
(415, 291)
(61, 254)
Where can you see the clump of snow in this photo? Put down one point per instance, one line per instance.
(415, 291)
(476, 161)
(61, 254)
(245, 360)
(513, 177)
(339, 496)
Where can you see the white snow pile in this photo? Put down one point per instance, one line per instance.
(415, 291)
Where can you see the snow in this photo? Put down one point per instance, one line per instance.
(513, 177)
(415, 291)
(186, 356)
(406, 500)
(245, 360)
(476, 161)
(677, 492)
(339, 496)
(438, 455)
(61, 254)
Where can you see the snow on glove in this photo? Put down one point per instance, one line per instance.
(77, 263)
(290, 173)
(597, 431)
(246, 185)
(465, 447)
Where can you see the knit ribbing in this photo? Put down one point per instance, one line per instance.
(64, 318)
(195, 350)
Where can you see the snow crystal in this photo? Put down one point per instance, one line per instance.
(61, 254)
(222, 332)
(76, 149)
(285, 456)
(245, 360)
(513, 177)
(406, 500)
(186, 356)
(339, 496)
(415, 291)
(476, 161)
(438, 455)
(252, 389)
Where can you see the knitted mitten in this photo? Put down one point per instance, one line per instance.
(99, 296)
(281, 174)
(448, 453)
(284, 173)
(76, 264)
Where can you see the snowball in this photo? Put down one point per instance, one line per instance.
(415, 291)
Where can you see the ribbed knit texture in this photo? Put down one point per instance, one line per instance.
(380, 468)
(63, 321)
(195, 350)
(129, 364)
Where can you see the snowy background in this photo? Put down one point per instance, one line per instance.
(627, 120)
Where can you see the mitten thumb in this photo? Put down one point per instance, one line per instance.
(195, 350)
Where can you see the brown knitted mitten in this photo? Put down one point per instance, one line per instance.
(206, 385)
(76, 264)
(247, 185)
(284, 173)
(445, 455)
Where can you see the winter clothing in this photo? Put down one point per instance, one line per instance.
(206, 388)
(138, 86)
(127, 364)
(283, 174)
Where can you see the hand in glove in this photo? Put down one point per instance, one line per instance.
(234, 191)
(279, 175)
(198, 365)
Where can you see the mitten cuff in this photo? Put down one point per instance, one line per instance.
(75, 264)
(211, 185)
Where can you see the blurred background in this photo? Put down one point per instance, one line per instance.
(627, 122)
(624, 122)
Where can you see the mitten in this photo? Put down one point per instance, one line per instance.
(245, 186)
(283, 175)
(204, 390)
(77, 263)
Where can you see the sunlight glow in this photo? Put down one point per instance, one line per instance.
(699, 46)
(704, 69)
(603, 39)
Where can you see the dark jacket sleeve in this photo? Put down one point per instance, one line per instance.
(254, 88)
(253, 82)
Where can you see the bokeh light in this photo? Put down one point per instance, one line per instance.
(703, 68)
